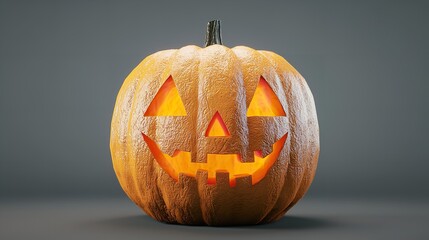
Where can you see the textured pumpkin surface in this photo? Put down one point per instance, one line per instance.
(211, 80)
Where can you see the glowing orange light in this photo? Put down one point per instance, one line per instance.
(167, 101)
(265, 102)
(181, 162)
(217, 127)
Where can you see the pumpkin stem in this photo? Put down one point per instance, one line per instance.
(213, 35)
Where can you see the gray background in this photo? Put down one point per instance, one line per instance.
(62, 63)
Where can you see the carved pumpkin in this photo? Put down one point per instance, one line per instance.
(214, 135)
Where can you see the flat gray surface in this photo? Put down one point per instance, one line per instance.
(121, 219)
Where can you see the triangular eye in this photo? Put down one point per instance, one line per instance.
(265, 102)
(167, 101)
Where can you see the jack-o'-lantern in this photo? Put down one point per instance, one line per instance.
(214, 135)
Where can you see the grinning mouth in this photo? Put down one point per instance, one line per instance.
(180, 163)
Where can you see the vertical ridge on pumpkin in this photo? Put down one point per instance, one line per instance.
(311, 129)
(139, 181)
(297, 98)
(130, 164)
(122, 113)
(304, 136)
(285, 195)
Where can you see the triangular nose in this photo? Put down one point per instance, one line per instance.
(217, 127)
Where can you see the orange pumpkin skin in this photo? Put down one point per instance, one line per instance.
(209, 80)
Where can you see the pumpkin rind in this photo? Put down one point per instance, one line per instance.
(209, 80)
